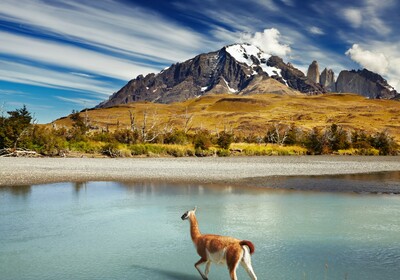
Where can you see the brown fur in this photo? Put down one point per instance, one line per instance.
(215, 243)
(248, 244)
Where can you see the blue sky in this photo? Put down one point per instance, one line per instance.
(56, 56)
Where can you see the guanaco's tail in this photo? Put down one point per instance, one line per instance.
(248, 244)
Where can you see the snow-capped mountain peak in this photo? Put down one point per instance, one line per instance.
(253, 57)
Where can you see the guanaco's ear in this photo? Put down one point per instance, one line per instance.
(194, 209)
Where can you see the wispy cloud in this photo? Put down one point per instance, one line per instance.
(11, 92)
(370, 14)
(316, 30)
(68, 56)
(79, 101)
(108, 24)
(32, 75)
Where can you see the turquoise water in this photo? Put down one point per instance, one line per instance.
(101, 230)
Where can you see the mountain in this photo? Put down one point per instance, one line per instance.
(366, 83)
(362, 82)
(327, 80)
(244, 69)
(229, 70)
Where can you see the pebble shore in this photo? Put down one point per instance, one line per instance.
(251, 171)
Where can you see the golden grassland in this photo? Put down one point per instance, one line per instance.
(252, 113)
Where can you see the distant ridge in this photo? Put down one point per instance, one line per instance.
(244, 69)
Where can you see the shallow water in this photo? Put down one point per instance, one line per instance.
(108, 230)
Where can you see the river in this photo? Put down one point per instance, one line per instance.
(111, 230)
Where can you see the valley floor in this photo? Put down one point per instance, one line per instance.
(269, 172)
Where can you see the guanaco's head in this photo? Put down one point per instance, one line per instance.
(188, 213)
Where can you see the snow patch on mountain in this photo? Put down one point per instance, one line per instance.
(232, 90)
(246, 54)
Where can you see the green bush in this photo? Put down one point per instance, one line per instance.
(126, 136)
(176, 137)
(111, 150)
(202, 140)
(85, 147)
(223, 153)
(225, 140)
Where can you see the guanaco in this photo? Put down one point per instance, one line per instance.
(219, 249)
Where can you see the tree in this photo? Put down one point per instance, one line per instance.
(336, 138)
(79, 127)
(313, 141)
(384, 143)
(277, 133)
(14, 127)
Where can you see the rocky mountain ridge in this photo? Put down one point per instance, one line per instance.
(243, 69)
(362, 82)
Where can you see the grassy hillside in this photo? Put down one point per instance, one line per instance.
(252, 113)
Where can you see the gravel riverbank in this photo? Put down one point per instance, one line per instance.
(251, 171)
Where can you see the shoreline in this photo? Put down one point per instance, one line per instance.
(275, 172)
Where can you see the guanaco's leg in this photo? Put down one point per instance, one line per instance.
(246, 263)
(208, 264)
(196, 265)
(233, 256)
(232, 273)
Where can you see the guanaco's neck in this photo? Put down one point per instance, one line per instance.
(194, 228)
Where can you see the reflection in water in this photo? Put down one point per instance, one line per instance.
(379, 182)
(78, 186)
(21, 191)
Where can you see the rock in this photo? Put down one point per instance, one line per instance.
(327, 80)
(295, 78)
(366, 83)
(313, 72)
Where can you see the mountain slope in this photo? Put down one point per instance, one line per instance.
(366, 83)
(251, 114)
(229, 70)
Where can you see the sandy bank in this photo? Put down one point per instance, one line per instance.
(254, 171)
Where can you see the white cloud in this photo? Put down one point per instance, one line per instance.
(11, 92)
(267, 4)
(288, 3)
(376, 62)
(68, 56)
(32, 75)
(110, 25)
(80, 101)
(369, 15)
(316, 30)
(353, 16)
(269, 42)
(379, 57)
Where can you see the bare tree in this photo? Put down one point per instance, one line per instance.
(132, 121)
(147, 131)
(188, 118)
(277, 133)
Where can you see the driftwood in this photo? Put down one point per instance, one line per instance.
(8, 152)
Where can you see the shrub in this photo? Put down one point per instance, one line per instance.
(225, 140)
(202, 140)
(176, 137)
(223, 153)
(126, 136)
(86, 147)
(313, 141)
(111, 150)
(384, 143)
